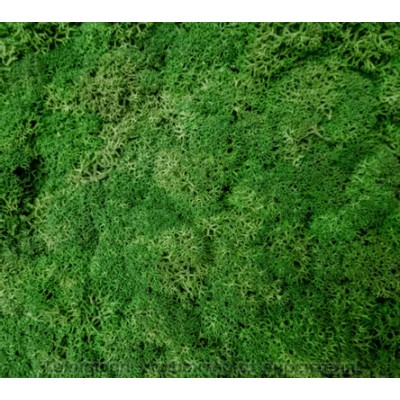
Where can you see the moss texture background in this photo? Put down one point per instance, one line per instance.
(199, 200)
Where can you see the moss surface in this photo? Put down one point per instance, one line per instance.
(199, 200)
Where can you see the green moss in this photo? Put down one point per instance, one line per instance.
(199, 200)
